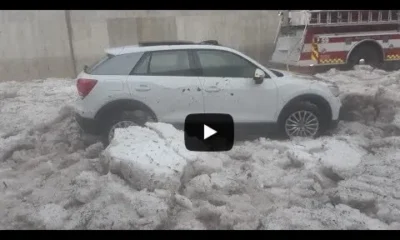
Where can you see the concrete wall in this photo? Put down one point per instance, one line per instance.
(33, 44)
(40, 44)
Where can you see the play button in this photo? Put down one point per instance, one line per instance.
(208, 132)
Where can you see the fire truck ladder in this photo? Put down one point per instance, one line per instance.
(300, 42)
(353, 17)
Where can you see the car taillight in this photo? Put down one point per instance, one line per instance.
(84, 86)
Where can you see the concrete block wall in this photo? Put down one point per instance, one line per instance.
(39, 44)
(33, 44)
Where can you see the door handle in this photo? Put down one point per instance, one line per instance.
(142, 88)
(213, 89)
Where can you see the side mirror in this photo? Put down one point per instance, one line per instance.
(85, 68)
(259, 76)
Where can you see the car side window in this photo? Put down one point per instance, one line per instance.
(141, 68)
(165, 63)
(117, 65)
(216, 63)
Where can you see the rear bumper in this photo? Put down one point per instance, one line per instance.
(87, 125)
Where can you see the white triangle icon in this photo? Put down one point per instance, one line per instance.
(208, 132)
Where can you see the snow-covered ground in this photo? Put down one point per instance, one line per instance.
(51, 177)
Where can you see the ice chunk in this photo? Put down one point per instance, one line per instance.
(198, 186)
(52, 216)
(146, 160)
(207, 164)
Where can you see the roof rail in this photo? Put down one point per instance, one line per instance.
(210, 42)
(144, 44)
(206, 42)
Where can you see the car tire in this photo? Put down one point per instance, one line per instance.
(122, 119)
(302, 110)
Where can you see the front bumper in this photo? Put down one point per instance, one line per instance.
(87, 125)
(333, 124)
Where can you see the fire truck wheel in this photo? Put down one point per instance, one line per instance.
(302, 119)
(370, 53)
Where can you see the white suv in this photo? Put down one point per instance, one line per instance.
(167, 81)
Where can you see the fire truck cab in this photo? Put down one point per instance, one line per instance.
(330, 38)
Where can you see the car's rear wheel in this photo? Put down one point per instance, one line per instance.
(302, 120)
(124, 119)
(120, 124)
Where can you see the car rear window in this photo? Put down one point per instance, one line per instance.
(97, 63)
(115, 64)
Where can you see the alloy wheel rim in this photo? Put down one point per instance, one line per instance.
(302, 124)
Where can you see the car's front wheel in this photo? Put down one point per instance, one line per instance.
(301, 120)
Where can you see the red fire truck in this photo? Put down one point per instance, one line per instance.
(337, 38)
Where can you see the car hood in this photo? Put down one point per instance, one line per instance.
(309, 78)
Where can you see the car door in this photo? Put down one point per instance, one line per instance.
(165, 82)
(229, 87)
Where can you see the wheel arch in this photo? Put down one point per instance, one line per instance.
(366, 42)
(322, 104)
(123, 104)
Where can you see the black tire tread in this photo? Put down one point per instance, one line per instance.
(116, 116)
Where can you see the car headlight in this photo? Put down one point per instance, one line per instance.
(334, 90)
